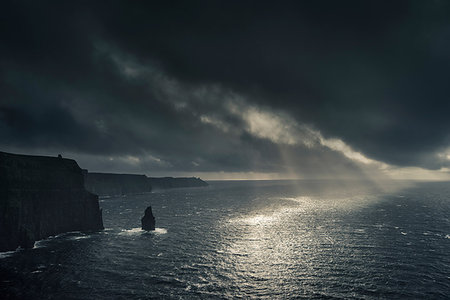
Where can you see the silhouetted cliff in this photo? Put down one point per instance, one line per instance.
(110, 184)
(43, 196)
(107, 184)
(180, 182)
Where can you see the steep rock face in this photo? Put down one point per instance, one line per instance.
(148, 220)
(107, 184)
(179, 182)
(43, 196)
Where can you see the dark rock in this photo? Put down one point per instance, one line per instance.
(108, 184)
(177, 182)
(43, 196)
(148, 220)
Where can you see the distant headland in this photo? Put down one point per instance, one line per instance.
(41, 196)
(110, 184)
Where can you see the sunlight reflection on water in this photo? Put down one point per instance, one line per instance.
(240, 241)
(290, 248)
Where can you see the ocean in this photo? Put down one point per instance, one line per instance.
(311, 239)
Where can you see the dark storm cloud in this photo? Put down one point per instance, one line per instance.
(122, 79)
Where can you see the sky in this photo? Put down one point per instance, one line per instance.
(230, 89)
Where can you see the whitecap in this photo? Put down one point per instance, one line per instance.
(7, 253)
(75, 238)
(379, 226)
(132, 231)
(41, 243)
(64, 234)
(138, 230)
(160, 230)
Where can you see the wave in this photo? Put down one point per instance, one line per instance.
(71, 235)
(80, 237)
(9, 253)
(139, 231)
(132, 231)
(160, 230)
(41, 243)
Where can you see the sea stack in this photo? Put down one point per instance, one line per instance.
(42, 196)
(148, 220)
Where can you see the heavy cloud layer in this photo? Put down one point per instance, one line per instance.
(303, 87)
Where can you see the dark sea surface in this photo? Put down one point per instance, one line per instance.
(272, 240)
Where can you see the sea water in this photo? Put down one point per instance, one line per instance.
(269, 239)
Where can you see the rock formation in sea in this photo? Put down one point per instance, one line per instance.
(177, 182)
(43, 196)
(108, 184)
(148, 220)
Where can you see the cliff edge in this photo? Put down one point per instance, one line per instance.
(109, 184)
(176, 182)
(43, 196)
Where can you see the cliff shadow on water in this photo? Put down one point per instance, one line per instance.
(43, 196)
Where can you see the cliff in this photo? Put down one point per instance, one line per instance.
(180, 182)
(43, 196)
(107, 184)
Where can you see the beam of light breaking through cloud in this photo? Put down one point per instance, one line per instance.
(265, 123)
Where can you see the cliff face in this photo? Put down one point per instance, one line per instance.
(106, 184)
(43, 196)
(179, 182)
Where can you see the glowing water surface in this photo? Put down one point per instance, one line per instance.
(276, 239)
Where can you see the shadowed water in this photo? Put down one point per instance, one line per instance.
(278, 239)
